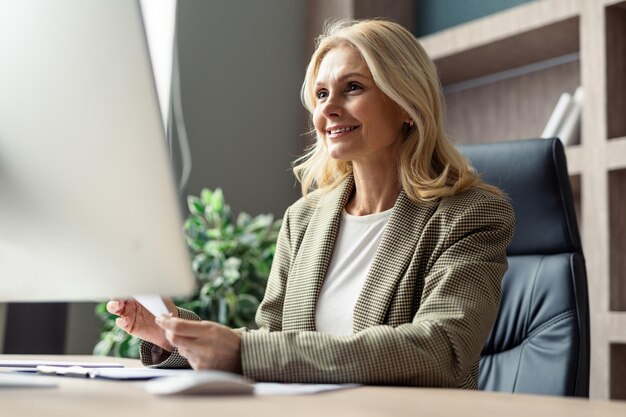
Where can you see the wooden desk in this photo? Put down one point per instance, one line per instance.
(81, 397)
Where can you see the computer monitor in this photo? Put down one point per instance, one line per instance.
(88, 205)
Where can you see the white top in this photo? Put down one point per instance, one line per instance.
(356, 244)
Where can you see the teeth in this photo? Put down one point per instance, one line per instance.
(343, 129)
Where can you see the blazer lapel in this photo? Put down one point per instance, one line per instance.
(312, 260)
(393, 256)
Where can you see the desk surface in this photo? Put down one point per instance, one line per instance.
(81, 397)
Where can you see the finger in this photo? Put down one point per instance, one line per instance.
(115, 307)
(195, 359)
(171, 307)
(180, 341)
(122, 323)
(182, 327)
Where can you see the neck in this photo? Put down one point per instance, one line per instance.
(375, 190)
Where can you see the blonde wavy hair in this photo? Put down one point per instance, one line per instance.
(430, 167)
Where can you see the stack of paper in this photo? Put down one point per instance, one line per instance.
(564, 123)
(19, 373)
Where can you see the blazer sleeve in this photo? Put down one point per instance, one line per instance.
(459, 304)
(154, 356)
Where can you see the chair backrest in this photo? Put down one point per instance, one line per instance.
(540, 341)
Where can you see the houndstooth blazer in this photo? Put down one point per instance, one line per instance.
(425, 311)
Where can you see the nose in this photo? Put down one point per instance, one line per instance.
(332, 106)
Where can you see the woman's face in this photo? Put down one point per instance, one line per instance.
(353, 117)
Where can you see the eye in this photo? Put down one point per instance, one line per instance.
(353, 86)
(321, 94)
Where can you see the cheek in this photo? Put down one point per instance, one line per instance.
(318, 121)
(320, 127)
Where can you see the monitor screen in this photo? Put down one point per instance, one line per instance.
(88, 204)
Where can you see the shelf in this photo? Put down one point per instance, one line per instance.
(526, 34)
(618, 370)
(574, 156)
(613, 2)
(617, 326)
(617, 239)
(514, 108)
(517, 100)
(616, 153)
(616, 69)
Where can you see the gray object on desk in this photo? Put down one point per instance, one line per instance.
(11, 380)
(201, 383)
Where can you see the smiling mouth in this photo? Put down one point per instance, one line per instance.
(334, 133)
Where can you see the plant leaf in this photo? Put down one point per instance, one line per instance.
(195, 205)
(217, 201)
(205, 196)
(243, 219)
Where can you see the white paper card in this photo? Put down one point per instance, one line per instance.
(153, 303)
(274, 388)
(9, 363)
(137, 373)
(113, 373)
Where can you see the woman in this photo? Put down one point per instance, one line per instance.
(388, 270)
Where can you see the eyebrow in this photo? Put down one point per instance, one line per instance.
(344, 76)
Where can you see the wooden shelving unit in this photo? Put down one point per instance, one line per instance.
(509, 39)
(584, 42)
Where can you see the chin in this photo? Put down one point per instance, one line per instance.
(339, 157)
(338, 154)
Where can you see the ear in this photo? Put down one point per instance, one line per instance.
(408, 126)
(407, 119)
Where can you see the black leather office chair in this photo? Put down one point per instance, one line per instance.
(540, 341)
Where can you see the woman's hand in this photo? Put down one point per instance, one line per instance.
(205, 344)
(136, 320)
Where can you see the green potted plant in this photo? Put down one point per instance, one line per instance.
(231, 261)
